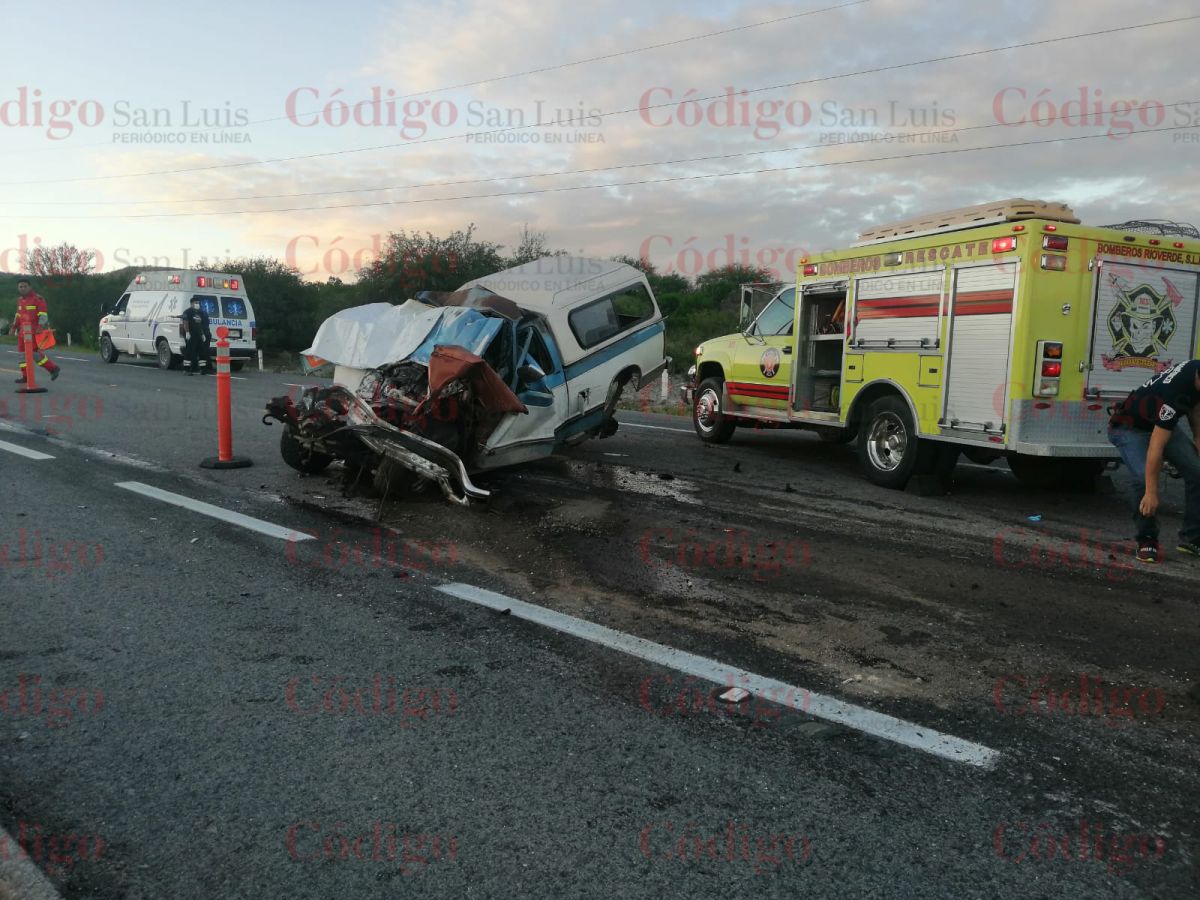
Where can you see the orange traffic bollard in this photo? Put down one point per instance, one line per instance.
(30, 385)
(224, 458)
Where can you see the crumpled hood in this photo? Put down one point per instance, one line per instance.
(374, 335)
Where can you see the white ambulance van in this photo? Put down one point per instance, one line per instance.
(145, 320)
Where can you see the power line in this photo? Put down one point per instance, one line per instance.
(586, 187)
(808, 81)
(589, 171)
(542, 69)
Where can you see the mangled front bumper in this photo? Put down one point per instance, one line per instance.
(340, 424)
(421, 456)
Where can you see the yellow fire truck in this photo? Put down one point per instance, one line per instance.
(1001, 330)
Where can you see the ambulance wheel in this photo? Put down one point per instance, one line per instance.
(108, 352)
(710, 423)
(237, 365)
(167, 359)
(301, 457)
(888, 445)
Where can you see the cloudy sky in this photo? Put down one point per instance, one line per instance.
(149, 134)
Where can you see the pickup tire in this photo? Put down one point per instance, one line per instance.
(711, 424)
(108, 352)
(236, 365)
(888, 446)
(301, 457)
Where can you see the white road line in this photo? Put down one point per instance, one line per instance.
(655, 427)
(73, 358)
(216, 512)
(865, 720)
(21, 451)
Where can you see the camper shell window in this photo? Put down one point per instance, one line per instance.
(609, 316)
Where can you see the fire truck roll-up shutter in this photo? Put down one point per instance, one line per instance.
(900, 310)
(981, 312)
(1145, 322)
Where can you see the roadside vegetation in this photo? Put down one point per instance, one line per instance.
(289, 309)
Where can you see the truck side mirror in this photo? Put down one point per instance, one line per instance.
(530, 374)
(744, 314)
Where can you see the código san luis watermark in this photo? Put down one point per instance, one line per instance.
(58, 853)
(766, 117)
(1020, 695)
(382, 696)
(732, 843)
(58, 705)
(312, 841)
(29, 552)
(694, 698)
(414, 118)
(1047, 554)
(56, 413)
(382, 548)
(767, 560)
(184, 122)
(1020, 842)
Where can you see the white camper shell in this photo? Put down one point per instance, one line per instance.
(145, 320)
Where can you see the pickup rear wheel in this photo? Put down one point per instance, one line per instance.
(888, 445)
(711, 424)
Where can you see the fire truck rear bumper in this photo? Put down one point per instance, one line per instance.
(1073, 451)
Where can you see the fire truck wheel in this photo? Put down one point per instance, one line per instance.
(710, 423)
(300, 457)
(108, 352)
(888, 445)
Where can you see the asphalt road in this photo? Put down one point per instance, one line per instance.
(227, 713)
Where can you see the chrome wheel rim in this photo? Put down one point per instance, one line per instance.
(887, 442)
(708, 409)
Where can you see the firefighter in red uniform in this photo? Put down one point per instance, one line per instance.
(33, 306)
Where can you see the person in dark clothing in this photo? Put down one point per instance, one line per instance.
(1144, 430)
(193, 328)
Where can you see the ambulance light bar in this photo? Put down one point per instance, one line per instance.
(810, 269)
(1004, 245)
(228, 284)
(1054, 242)
(1049, 363)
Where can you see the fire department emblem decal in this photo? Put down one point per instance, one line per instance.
(768, 363)
(1141, 325)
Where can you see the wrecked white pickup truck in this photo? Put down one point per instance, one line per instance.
(507, 369)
